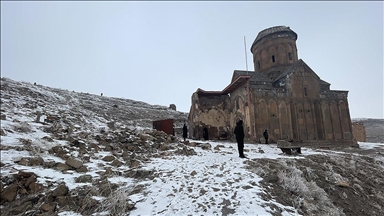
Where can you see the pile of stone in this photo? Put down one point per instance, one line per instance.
(20, 193)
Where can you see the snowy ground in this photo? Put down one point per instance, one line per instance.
(213, 182)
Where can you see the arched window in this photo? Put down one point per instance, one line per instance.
(273, 58)
(305, 91)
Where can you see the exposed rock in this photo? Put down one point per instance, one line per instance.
(61, 167)
(46, 207)
(82, 169)
(3, 116)
(205, 146)
(30, 180)
(2, 132)
(58, 151)
(109, 158)
(36, 161)
(61, 190)
(67, 201)
(84, 178)
(36, 187)
(108, 171)
(116, 163)
(73, 162)
(25, 174)
(10, 192)
(140, 174)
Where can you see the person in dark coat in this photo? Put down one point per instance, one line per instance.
(205, 133)
(265, 134)
(239, 132)
(185, 132)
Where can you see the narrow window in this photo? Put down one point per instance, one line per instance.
(273, 58)
(258, 64)
(305, 91)
(290, 56)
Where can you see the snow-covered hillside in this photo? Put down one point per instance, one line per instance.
(86, 110)
(100, 156)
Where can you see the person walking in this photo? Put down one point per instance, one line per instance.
(185, 132)
(239, 132)
(265, 134)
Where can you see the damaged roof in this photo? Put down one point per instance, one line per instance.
(255, 76)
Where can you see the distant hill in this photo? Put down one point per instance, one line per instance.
(374, 129)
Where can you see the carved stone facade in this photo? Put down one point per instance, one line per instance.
(283, 94)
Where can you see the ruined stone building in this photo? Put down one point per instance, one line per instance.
(283, 94)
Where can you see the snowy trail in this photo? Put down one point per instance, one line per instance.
(209, 184)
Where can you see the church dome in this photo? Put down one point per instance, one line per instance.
(272, 30)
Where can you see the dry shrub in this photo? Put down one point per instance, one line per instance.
(117, 203)
(308, 196)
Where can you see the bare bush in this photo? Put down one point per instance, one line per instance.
(309, 196)
(118, 202)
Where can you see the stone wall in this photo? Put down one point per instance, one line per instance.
(358, 131)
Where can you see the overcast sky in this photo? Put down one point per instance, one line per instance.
(161, 52)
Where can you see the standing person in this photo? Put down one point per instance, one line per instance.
(239, 132)
(205, 133)
(185, 132)
(265, 134)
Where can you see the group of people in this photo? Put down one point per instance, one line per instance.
(239, 133)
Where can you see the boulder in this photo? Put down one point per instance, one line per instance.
(30, 180)
(10, 192)
(82, 169)
(46, 207)
(84, 178)
(74, 162)
(206, 146)
(61, 167)
(36, 187)
(61, 190)
(109, 158)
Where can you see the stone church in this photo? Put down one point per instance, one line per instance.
(283, 94)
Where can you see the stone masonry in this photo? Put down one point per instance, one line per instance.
(283, 94)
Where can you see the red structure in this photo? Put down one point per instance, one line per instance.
(165, 125)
